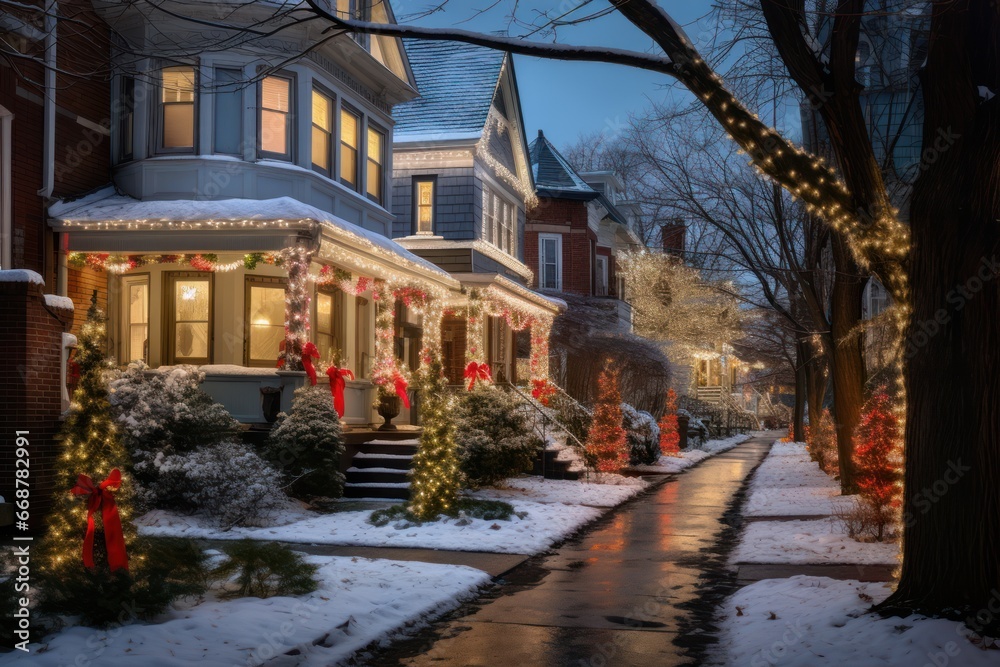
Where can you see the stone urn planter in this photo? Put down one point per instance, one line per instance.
(389, 407)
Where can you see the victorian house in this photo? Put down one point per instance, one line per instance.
(462, 184)
(249, 219)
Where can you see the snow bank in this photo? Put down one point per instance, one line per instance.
(815, 621)
(801, 542)
(603, 491)
(359, 601)
(689, 457)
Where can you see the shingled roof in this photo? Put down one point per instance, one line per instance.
(554, 175)
(456, 83)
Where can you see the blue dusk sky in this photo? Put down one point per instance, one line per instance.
(566, 99)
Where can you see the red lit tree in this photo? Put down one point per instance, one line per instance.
(670, 438)
(606, 443)
(877, 459)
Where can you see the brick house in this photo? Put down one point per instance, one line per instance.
(461, 187)
(575, 234)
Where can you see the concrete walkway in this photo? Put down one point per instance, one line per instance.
(639, 588)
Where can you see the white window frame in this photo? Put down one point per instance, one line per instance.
(602, 274)
(161, 113)
(126, 335)
(542, 238)
(290, 138)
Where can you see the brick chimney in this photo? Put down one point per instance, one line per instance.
(673, 237)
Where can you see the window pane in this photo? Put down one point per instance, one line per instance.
(228, 111)
(178, 84)
(321, 150)
(374, 145)
(321, 110)
(276, 93)
(192, 340)
(349, 128)
(178, 126)
(191, 299)
(324, 313)
(375, 180)
(274, 132)
(138, 320)
(267, 321)
(425, 206)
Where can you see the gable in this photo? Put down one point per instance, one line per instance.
(503, 146)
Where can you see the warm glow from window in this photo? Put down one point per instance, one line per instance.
(425, 207)
(178, 92)
(275, 115)
(192, 305)
(267, 322)
(322, 132)
(137, 320)
(350, 126)
(376, 141)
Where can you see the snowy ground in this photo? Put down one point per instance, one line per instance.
(789, 483)
(359, 601)
(689, 457)
(552, 509)
(800, 542)
(815, 621)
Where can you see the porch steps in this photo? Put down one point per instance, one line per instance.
(554, 467)
(381, 469)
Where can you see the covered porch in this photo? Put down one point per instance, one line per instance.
(260, 295)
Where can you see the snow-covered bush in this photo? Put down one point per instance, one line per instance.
(308, 444)
(643, 435)
(698, 433)
(494, 437)
(185, 451)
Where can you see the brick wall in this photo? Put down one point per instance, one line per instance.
(31, 337)
(568, 218)
(80, 287)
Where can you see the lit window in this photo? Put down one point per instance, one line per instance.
(376, 158)
(189, 323)
(328, 321)
(425, 206)
(550, 261)
(265, 320)
(136, 318)
(488, 218)
(275, 117)
(350, 139)
(178, 94)
(322, 133)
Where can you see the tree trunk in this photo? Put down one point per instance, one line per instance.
(801, 389)
(951, 503)
(848, 364)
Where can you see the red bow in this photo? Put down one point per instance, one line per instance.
(401, 384)
(476, 371)
(309, 352)
(101, 497)
(338, 382)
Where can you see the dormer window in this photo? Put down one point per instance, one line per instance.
(423, 204)
(178, 85)
(276, 117)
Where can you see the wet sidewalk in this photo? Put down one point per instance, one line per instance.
(636, 589)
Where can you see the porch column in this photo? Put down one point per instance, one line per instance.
(296, 261)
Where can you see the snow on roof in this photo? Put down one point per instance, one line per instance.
(122, 209)
(21, 276)
(456, 83)
(553, 172)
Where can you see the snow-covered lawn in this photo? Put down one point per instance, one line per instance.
(689, 457)
(800, 542)
(789, 483)
(552, 510)
(815, 621)
(600, 491)
(358, 602)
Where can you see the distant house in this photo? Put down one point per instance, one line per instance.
(575, 235)
(461, 187)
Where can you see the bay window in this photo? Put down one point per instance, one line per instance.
(265, 320)
(322, 133)
(228, 111)
(177, 114)
(188, 318)
(350, 140)
(376, 164)
(276, 117)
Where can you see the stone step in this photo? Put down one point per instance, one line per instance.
(391, 490)
(396, 447)
(386, 475)
(396, 461)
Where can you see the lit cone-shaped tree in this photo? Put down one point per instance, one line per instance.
(436, 478)
(670, 438)
(92, 446)
(877, 458)
(607, 445)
